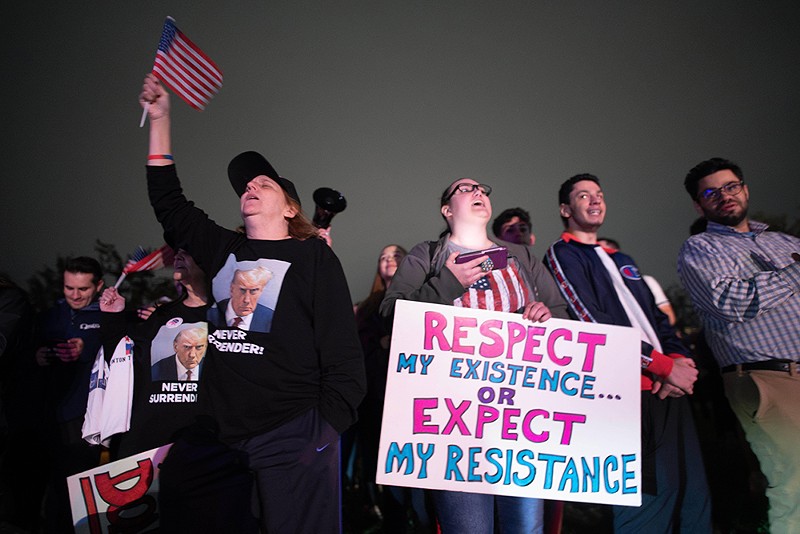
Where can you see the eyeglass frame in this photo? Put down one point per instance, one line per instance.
(713, 194)
(486, 190)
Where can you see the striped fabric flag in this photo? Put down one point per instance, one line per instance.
(499, 290)
(184, 68)
(140, 260)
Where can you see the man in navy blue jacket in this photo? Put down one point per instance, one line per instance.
(604, 286)
(68, 343)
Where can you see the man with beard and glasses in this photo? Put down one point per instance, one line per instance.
(744, 283)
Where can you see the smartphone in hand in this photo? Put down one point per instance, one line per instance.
(498, 257)
(52, 345)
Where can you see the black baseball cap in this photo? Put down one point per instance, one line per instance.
(250, 164)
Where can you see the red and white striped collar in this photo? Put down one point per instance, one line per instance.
(567, 237)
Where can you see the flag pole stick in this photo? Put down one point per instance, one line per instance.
(144, 114)
(121, 278)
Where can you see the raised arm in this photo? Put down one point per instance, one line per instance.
(155, 99)
(181, 220)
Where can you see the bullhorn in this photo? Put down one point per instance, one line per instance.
(329, 202)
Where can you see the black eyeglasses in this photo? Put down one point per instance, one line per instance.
(732, 189)
(469, 188)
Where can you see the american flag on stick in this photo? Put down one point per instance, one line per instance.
(141, 260)
(184, 68)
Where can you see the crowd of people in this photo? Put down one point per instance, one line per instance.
(285, 378)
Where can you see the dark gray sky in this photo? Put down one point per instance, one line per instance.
(388, 102)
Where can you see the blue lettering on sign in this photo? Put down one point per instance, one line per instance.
(409, 362)
(405, 455)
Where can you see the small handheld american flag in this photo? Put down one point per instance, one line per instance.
(183, 67)
(141, 260)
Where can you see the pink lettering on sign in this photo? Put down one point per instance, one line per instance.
(516, 333)
(494, 347)
(422, 419)
(459, 333)
(557, 334)
(591, 341)
(527, 423)
(487, 419)
(456, 417)
(532, 343)
(486, 414)
(435, 324)
(568, 419)
(496, 337)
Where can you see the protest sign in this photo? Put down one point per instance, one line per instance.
(120, 497)
(488, 402)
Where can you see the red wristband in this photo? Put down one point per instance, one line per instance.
(160, 156)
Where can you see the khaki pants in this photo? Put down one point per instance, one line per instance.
(767, 404)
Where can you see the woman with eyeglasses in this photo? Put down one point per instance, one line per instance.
(429, 273)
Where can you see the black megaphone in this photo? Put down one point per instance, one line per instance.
(329, 202)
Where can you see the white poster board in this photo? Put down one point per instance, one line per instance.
(120, 496)
(487, 402)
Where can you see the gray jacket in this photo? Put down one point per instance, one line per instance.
(421, 277)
